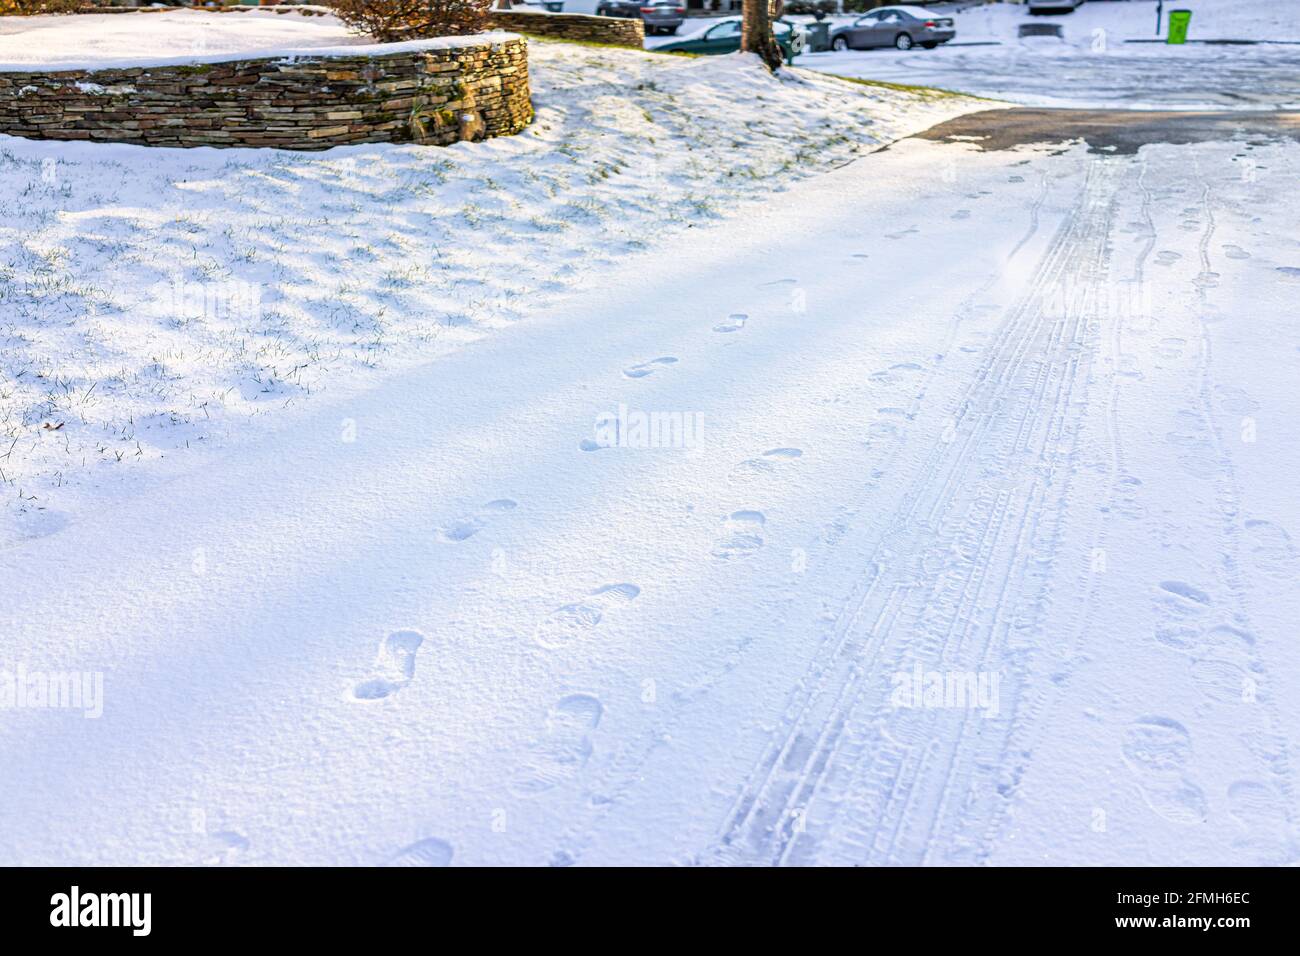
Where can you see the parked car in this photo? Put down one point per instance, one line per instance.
(724, 37)
(1053, 6)
(658, 17)
(902, 27)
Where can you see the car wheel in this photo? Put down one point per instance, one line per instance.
(840, 44)
(903, 41)
(930, 44)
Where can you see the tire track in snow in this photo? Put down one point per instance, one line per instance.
(833, 646)
(624, 771)
(1068, 331)
(1088, 317)
(855, 765)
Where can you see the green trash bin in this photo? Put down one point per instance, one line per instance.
(1178, 23)
(819, 37)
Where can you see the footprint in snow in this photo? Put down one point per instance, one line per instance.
(1261, 810)
(742, 535)
(895, 374)
(643, 369)
(766, 463)
(880, 432)
(1235, 252)
(430, 852)
(573, 621)
(735, 322)
(227, 847)
(902, 232)
(961, 214)
(1130, 367)
(1157, 751)
(467, 527)
(1167, 257)
(563, 749)
(1221, 642)
(394, 666)
(1235, 401)
(1182, 599)
(1269, 549)
(1225, 682)
(1256, 804)
(1170, 348)
(1222, 657)
(1191, 433)
(1290, 271)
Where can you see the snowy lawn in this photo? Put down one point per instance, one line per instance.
(425, 625)
(974, 541)
(1093, 65)
(155, 300)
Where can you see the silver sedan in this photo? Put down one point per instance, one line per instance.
(902, 26)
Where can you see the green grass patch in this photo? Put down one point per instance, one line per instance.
(931, 91)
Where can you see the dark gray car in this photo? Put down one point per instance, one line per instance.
(658, 17)
(902, 26)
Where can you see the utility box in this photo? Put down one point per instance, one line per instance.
(1178, 23)
(819, 37)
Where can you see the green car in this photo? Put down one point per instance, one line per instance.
(724, 37)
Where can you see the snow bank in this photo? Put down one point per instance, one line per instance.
(182, 37)
(179, 35)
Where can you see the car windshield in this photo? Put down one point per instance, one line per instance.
(724, 30)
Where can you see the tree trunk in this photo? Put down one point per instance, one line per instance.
(756, 32)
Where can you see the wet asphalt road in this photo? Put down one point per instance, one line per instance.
(1112, 131)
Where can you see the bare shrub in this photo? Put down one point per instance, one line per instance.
(21, 8)
(388, 21)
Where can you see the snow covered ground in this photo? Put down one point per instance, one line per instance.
(624, 493)
(426, 623)
(244, 281)
(1094, 65)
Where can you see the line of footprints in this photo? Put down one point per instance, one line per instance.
(565, 746)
